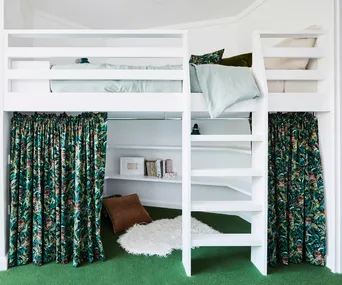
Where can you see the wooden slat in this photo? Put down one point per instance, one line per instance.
(97, 52)
(95, 102)
(294, 75)
(278, 52)
(225, 240)
(226, 206)
(225, 138)
(298, 102)
(222, 172)
(95, 74)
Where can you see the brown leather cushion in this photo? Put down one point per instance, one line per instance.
(125, 212)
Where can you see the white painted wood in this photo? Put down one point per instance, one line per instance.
(186, 162)
(338, 157)
(298, 34)
(96, 74)
(225, 240)
(260, 159)
(313, 75)
(278, 52)
(95, 33)
(199, 104)
(96, 102)
(237, 172)
(193, 148)
(239, 185)
(226, 206)
(225, 138)
(298, 102)
(94, 52)
(3, 153)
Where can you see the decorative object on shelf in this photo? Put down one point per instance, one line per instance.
(159, 168)
(168, 166)
(195, 130)
(170, 175)
(132, 166)
(82, 60)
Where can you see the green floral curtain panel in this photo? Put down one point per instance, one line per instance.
(297, 229)
(56, 182)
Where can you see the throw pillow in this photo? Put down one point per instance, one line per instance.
(238, 60)
(125, 212)
(209, 58)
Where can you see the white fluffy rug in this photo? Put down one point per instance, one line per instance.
(159, 237)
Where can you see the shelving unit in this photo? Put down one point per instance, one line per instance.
(240, 185)
(243, 150)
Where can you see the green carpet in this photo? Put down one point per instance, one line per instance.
(216, 265)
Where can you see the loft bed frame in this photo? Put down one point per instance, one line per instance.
(185, 104)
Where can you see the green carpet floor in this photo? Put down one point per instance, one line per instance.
(216, 265)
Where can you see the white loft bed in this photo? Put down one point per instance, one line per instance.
(185, 104)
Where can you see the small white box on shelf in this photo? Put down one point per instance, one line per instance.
(132, 166)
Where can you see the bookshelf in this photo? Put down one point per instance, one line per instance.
(243, 150)
(240, 185)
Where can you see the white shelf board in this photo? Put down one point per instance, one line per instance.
(225, 240)
(239, 185)
(226, 138)
(176, 148)
(224, 172)
(226, 206)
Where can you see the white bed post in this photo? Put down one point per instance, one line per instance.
(260, 159)
(186, 162)
(3, 159)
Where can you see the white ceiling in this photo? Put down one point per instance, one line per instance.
(138, 14)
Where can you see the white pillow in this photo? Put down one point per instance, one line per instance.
(292, 63)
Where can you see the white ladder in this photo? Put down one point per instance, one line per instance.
(257, 239)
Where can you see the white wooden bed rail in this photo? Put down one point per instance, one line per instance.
(33, 100)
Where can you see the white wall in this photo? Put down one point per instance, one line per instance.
(281, 15)
(18, 14)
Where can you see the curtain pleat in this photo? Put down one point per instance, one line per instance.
(56, 181)
(297, 222)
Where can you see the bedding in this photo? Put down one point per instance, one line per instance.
(221, 85)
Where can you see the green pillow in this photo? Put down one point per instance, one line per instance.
(238, 60)
(209, 58)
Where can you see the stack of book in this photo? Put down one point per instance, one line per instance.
(159, 168)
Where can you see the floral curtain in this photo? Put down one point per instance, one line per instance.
(297, 223)
(56, 182)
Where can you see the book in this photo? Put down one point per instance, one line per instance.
(158, 168)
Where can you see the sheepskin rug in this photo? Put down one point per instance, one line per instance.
(160, 237)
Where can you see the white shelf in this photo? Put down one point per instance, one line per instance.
(242, 186)
(225, 240)
(175, 147)
(226, 138)
(226, 206)
(223, 172)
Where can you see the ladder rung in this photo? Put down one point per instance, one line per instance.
(226, 206)
(221, 172)
(225, 240)
(226, 138)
